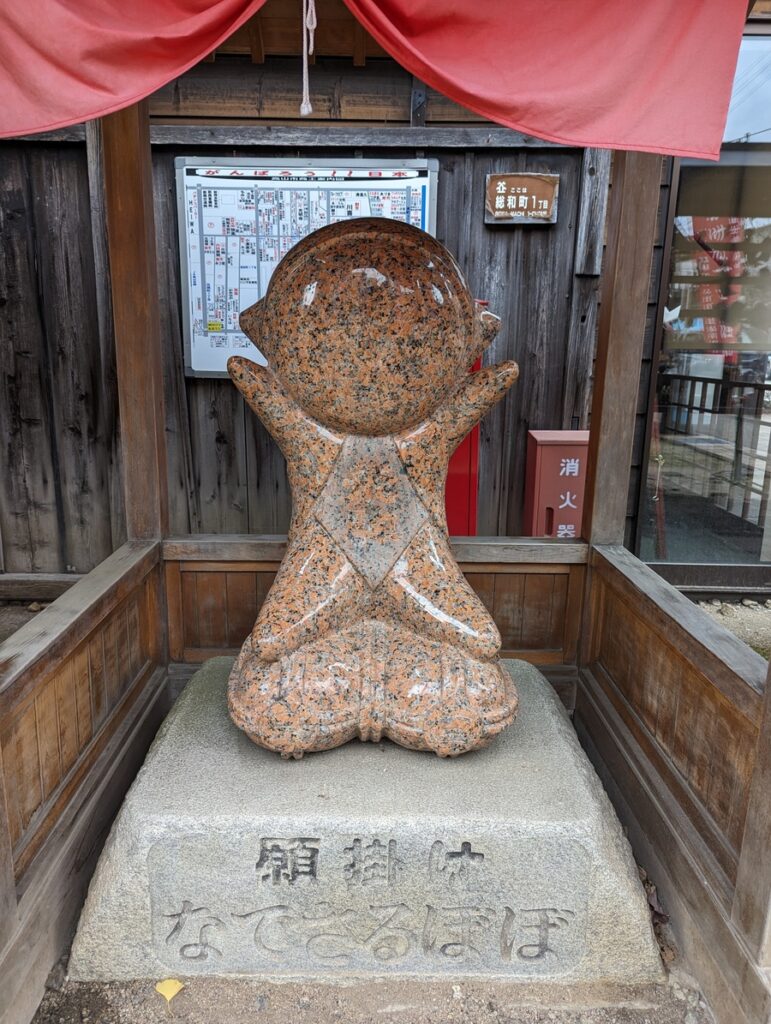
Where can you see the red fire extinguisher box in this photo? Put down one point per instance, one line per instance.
(554, 486)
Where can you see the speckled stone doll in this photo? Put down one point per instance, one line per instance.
(370, 628)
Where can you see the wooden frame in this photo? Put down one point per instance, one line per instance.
(670, 706)
(696, 802)
(82, 692)
(631, 230)
(532, 588)
(128, 194)
(325, 136)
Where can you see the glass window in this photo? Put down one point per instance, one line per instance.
(709, 469)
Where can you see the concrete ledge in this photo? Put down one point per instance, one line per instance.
(368, 861)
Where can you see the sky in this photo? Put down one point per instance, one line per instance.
(750, 109)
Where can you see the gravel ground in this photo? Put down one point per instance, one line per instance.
(237, 1001)
(749, 620)
(14, 614)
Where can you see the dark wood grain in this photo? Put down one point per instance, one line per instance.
(378, 92)
(310, 136)
(688, 692)
(212, 604)
(731, 666)
(225, 474)
(53, 889)
(592, 206)
(675, 856)
(49, 735)
(58, 409)
(497, 552)
(8, 899)
(55, 632)
(184, 495)
(527, 275)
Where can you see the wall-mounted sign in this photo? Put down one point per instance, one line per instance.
(238, 217)
(521, 198)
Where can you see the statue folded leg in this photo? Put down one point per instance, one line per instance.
(371, 680)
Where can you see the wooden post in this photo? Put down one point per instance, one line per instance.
(632, 215)
(128, 194)
(751, 910)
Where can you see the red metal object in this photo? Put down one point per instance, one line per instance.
(554, 487)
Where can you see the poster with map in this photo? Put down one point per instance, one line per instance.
(237, 218)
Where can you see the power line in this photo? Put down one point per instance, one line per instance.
(748, 135)
(746, 81)
(745, 84)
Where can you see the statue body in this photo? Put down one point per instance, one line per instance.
(370, 628)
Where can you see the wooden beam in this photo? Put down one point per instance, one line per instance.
(751, 909)
(326, 136)
(35, 586)
(634, 200)
(57, 630)
(359, 45)
(295, 136)
(256, 45)
(271, 548)
(730, 665)
(128, 193)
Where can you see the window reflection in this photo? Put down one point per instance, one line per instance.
(709, 468)
(709, 471)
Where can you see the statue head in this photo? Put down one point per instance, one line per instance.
(368, 324)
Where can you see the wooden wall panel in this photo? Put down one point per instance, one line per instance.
(58, 396)
(671, 709)
(54, 723)
(698, 727)
(707, 740)
(226, 475)
(82, 692)
(61, 495)
(218, 603)
(381, 92)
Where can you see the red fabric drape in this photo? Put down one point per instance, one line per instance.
(619, 74)
(629, 74)
(65, 61)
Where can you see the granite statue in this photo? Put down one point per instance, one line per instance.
(370, 628)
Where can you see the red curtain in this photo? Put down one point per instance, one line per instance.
(619, 74)
(65, 61)
(628, 74)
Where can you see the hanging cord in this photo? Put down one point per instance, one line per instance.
(308, 29)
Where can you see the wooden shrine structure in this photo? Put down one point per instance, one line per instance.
(674, 710)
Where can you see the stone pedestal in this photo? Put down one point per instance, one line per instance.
(367, 861)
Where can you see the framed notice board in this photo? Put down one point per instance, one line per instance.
(238, 217)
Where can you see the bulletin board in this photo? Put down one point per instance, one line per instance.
(238, 217)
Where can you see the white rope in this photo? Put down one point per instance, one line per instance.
(308, 30)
